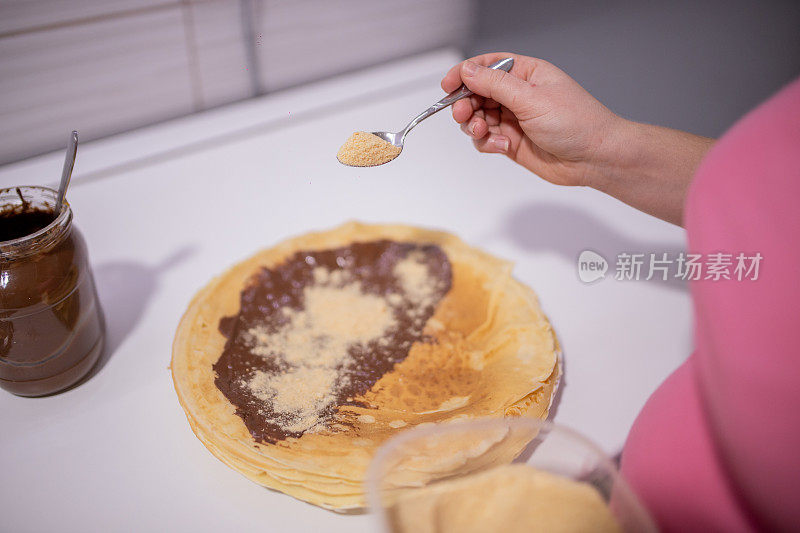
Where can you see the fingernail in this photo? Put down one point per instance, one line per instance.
(472, 127)
(501, 144)
(469, 68)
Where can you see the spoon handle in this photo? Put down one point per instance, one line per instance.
(66, 172)
(458, 94)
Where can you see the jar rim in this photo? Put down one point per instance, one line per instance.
(12, 245)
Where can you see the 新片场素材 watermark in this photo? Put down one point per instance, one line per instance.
(664, 266)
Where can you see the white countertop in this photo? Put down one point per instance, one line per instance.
(165, 208)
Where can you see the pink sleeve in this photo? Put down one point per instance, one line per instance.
(746, 199)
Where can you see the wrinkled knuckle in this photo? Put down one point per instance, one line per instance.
(498, 76)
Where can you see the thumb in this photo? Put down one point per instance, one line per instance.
(502, 87)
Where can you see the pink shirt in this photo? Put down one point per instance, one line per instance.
(717, 446)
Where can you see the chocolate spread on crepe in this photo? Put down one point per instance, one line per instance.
(323, 327)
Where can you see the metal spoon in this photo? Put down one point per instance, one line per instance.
(462, 92)
(66, 172)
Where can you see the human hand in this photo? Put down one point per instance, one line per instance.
(538, 116)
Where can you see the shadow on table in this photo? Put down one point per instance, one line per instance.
(568, 230)
(125, 288)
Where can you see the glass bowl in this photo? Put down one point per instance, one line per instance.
(499, 474)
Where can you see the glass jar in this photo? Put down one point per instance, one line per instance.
(51, 324)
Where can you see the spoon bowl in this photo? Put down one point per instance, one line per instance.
(392, 138)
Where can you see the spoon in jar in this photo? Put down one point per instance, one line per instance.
(66, 172)
(377, 153)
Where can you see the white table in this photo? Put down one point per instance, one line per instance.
(167, 207)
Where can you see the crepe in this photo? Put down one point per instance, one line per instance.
(489, 351)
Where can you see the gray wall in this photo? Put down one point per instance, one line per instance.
(106, 66)
(696, 66)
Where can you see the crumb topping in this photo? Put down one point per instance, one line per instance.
(364, 149)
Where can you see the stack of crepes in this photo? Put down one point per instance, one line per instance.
(487, 350)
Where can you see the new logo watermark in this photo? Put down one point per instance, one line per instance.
(591, 266)
(664, 266)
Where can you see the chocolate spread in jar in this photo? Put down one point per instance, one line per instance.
(51, 326)
(285, 327)
(16, 223)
